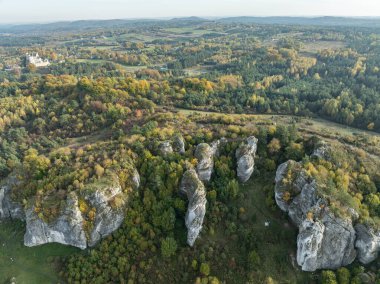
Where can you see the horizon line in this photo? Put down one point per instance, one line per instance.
(186, 17)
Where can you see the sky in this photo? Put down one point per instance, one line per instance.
(41, 11)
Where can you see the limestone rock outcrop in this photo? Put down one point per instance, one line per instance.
(204, 154)
(367, 243)
(108, 217)
(322, 151)
(72, 227)
(66, 229)
(325, 241)
(194, 189)
(245, 155)
(179, 144)
(9, 208)
(165, 148)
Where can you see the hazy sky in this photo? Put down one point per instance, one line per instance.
(12, 11)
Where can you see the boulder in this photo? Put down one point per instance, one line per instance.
(179, 144)
(165, 148)
(194, 189)
(367, 243)
(205, 166)
(245, 155)
(322, 151)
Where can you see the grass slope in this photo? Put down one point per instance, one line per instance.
(28, 265)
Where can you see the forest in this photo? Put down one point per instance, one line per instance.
(115, 94)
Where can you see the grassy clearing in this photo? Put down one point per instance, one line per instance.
(28, 265)
(324, 128)
(277, 249)
(314, 47)
(187, 30)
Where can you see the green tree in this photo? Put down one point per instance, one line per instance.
(328, 277)
(343, 275)
(168, 247)
(205, 269)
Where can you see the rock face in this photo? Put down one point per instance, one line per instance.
(324, 240)
(107, 201)
(165, 148)
(205, 166)
(367, 243)
(108, 218)
(196, 194)
(8, 208)
(67, 229)
(245, 155)
(179, 144)
(325, 243)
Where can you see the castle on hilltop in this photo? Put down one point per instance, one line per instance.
(36, 60)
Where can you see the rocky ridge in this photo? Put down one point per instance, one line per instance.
(195, 191)
(325, 241)
(68, 228)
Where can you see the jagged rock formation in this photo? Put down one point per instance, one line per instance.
(179, 144)
(108, 217)
(66, 229)
(192, 186)
(245, 155)
(106, 199)
(367, 243)
(324, 240)
(215, 146)
(165, 148)
(205, 166)
(9, 208)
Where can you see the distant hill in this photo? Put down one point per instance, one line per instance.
(95, 24)
(71, 26)
(318, 21)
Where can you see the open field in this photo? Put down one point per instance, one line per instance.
(328, 130)
(28, 265)
(102, 61)
(315, 46)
